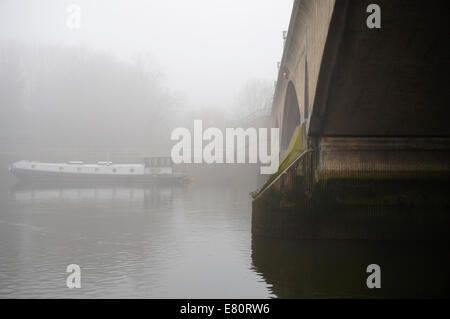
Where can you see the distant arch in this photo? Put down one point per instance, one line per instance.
(291, 117)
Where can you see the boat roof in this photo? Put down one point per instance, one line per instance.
(79, 163)
(158, 156)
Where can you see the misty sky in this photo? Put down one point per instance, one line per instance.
(206, 49)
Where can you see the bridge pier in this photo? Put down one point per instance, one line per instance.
(360, 188)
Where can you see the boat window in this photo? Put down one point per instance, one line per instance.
(33, 166)
(158, 161)
(61, 168)
(114, 170)
(131, 170)
(79, 169)
(96, 169)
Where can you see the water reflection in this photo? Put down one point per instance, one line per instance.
(187, 242)
(337, 269)
(153, 196)
(149, 242)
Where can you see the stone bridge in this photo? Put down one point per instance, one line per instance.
(363, 118)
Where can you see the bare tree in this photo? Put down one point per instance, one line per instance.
(254, 96)
(72, 97)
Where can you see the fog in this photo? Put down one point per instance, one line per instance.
(128, 72)
(91, 92)
(206, 49)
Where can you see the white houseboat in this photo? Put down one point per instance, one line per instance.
(153, 170)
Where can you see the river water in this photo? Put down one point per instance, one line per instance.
(184, 242)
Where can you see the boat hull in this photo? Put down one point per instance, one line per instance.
(45, 177)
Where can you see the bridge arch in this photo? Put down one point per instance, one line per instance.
(291, 117)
